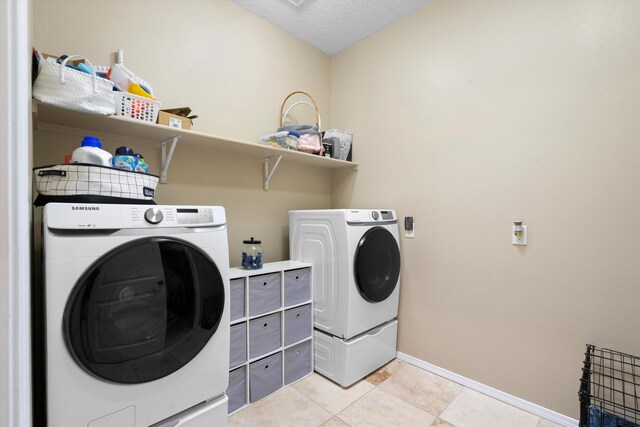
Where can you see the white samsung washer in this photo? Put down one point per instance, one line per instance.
(356, 276)
(136, 330)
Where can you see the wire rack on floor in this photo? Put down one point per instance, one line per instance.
(609, 389)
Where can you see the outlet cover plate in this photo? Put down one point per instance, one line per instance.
(520, 240)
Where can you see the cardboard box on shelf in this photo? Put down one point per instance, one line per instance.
(175, 117)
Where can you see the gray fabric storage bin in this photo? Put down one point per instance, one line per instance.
(238, 347)
(237, 300)
(264, 293)
(297, 362)
(264, 335)
(297, 324)
(297, 286)
(237, 391)
(265, 376)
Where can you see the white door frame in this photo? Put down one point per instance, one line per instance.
(15, 214)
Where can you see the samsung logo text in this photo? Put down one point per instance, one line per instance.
(85, 208)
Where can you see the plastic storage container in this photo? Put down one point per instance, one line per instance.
(141, 165)
(252, 254)
(124, 159)
(90, 151)
(136, 107)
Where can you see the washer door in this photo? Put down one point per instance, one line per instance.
(143, 310)
(377, 264)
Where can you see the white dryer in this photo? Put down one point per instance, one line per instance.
(137, 315)
(356, 277)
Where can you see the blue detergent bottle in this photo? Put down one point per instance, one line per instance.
(141, 166)
(125, 159)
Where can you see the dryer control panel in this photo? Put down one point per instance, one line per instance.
(370, 215)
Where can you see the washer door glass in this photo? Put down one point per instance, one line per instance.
(144, 310)
(377, 264)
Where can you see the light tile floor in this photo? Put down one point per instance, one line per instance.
(398, 394)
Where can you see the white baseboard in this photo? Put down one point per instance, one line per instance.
(538, 410)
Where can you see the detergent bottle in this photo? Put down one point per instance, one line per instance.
(141, 166)
(125, 159)
(90, 151)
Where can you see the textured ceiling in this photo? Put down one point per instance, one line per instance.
(331, 25)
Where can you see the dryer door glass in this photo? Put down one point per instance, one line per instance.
(377, 264)
(144, 310)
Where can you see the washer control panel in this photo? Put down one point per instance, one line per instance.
(170, 215)
(112, 216)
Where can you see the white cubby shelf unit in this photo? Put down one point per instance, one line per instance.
(271, 335)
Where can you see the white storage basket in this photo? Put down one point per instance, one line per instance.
(136, 107)
(72, 89)
(80, 182)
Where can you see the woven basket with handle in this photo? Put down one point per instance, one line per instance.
(310, 138)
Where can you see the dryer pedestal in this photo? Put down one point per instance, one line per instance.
(347, 361)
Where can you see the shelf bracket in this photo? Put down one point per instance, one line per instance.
(166, 158)
(269, 173)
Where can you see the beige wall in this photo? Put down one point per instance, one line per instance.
(469, 115)
(233, 69)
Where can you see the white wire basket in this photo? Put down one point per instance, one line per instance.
(136, 107)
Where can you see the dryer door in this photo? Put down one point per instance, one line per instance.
(377, 264)
(143, 310)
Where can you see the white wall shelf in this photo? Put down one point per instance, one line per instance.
(50, 118)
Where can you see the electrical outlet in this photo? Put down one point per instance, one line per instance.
(410, 233)
(519, 234)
